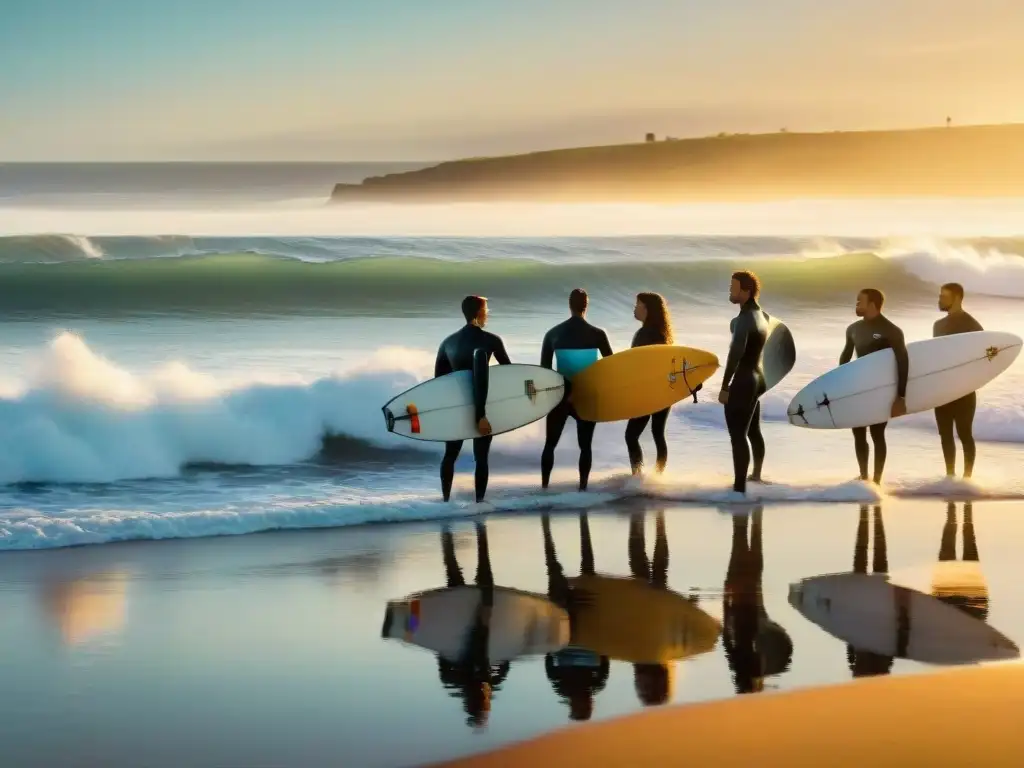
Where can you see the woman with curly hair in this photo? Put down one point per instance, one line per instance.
(656, 328)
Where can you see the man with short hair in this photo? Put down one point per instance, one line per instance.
(960, 412)
(575, 345)
(872, 333)
(470, 349)
(743, 379)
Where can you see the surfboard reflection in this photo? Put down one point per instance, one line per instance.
(881, 621)
(476, 631)
(755, 646)
(636, 619)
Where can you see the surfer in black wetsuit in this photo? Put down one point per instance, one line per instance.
(872, 333)
(743, 380)
(573, 345)
(960, 412)
(470, 349)
(652, 311)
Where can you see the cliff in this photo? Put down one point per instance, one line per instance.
(975, 161)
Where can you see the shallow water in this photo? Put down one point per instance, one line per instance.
(267, 650)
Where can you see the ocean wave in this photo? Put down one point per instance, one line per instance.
(253, 283)
(71, 275)
(26, 528)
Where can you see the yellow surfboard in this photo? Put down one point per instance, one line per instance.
(639, 381)
(630, 620)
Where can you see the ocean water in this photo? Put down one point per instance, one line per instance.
(191, 351)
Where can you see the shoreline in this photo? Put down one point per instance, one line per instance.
(969, 162)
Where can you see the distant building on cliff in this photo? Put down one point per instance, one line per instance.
(650, 138)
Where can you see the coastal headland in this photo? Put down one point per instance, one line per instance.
(970, 161)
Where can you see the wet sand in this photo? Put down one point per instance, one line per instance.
(881, 722)
(267, 649)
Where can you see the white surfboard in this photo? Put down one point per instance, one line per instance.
(941, 370)
(871, 614)
(440, 620)
(442, 409)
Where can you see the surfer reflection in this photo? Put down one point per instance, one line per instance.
(755, 646)
(576, 674)
(652, 682)
(866, 663)
(472, 678)
(960, 583)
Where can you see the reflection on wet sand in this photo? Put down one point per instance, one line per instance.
(960, 583)
(476, 631)
(87, 607)
(576, 674)
(635, 619)
(880, 621)
(755, 646)
(863, 663)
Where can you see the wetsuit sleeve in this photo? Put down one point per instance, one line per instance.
(547, 352)
(442, 366)
(481, 377)
(499, 351)
(899, 348)
(605, 345)
(741, 330)
(847, 354)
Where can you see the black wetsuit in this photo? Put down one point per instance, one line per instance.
(574, 334)
(744, 380)
(864, 337)
(469, 349)
(634, 428)
(959, 413)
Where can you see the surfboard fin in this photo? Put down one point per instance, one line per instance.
(414, 418)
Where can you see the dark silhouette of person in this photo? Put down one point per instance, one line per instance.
(652, 682)
(576, 674)
(969, 596)
(868, 663)
(472, 678)
(755, 646)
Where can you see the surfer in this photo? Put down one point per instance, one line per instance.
(872, 333)
(574, 344)
(470, 349)
(743, 380)
(960, 412)
(656, 328)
